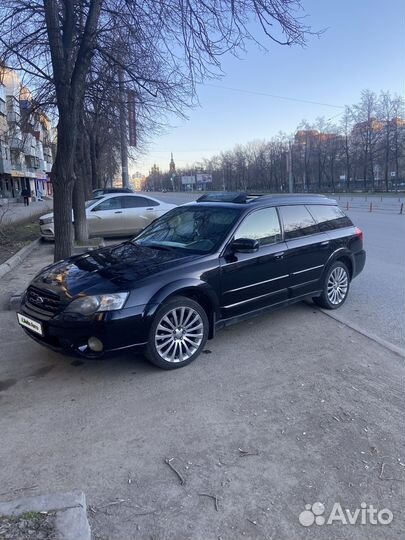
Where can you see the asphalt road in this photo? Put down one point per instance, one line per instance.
(377, 298)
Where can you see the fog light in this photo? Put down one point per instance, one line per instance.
(95, 344)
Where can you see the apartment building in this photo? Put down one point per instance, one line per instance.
(26, 140)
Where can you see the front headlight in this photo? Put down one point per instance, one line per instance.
(101, 302)
(45, 221)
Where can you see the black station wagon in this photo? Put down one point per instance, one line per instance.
(199, 267)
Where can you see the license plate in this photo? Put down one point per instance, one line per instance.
(29, 323)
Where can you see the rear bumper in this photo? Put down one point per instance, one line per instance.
(359, 262)
(118, 331)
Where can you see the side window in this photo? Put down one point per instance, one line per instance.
(329, 217)
(114, 203)
(297, 222)
(138, 202)
(262, 225)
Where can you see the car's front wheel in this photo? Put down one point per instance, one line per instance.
(178, 333)
(335, 287)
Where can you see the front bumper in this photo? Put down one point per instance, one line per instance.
(47, 231)
(117, 330)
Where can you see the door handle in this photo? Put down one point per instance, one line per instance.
(118, 212)
(149, 208)
(325, 243)
(279, 255)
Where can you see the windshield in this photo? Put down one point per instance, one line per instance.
(198, 229)
(90, 202)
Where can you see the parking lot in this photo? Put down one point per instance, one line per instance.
(285, 410)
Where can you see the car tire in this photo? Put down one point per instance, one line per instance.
(336, 286)
(178, 333)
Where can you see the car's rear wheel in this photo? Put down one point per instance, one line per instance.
(335, 287)
(178, 333)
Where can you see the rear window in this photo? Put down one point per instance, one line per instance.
(297, 221)
(329, 217)
(137, 202)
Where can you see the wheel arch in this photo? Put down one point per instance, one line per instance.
(196, 290)
(344, 256)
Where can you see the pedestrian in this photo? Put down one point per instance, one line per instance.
(26, 194)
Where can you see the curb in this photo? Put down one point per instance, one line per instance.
(18, 257)
(71, 521)
(390, 346)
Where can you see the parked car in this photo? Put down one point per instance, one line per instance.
(120, 214)
(106, 191)
(194, 270)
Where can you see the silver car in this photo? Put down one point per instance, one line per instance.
(116, 214)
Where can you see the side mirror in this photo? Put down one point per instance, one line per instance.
(245, 245)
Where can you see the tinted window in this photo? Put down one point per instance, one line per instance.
(297, 222)
(109, 204)
(329, 217)
(262, 225)
(138, 202)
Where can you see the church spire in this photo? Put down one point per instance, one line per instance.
(172, 165)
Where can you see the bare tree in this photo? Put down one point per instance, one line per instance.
(57, 40)
(325, 157)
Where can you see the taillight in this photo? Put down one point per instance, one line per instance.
(359, 233)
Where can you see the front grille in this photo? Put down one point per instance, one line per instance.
(43, 300)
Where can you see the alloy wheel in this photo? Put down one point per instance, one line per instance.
(179, 334)
(338, 284)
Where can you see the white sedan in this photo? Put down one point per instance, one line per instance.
(116, 214)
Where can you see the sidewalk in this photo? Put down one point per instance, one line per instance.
(14, 212)
(16, 282)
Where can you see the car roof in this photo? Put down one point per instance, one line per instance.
(115, 190)
(99, 198)
(249, 200)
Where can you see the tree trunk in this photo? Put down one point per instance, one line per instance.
(62, 206)
(79, 210)
(93, 160)
(87, 167)
(79, 188)
(62, 180)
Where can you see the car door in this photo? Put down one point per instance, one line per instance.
(250, 281)
(106, 218)
(139, 212)
(308, 249)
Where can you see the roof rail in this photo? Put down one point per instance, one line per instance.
(223, 196)
(242, 197)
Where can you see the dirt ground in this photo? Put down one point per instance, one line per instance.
(14, 236)
(286, 410)
(29, 526)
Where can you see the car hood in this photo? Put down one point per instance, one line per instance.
(112, 269)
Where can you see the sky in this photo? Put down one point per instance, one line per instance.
(363, 47)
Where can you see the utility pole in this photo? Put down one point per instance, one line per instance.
(289, 168)
(123, 130)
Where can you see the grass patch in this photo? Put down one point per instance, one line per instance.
(14, 236)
